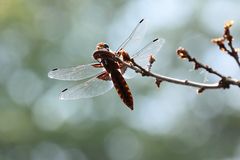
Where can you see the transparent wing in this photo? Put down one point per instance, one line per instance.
(91, 88)
(141, 57)
(75, 73)
(129, 74)
(151, 48)
(131, 44)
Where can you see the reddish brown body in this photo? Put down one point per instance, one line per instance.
(112, 67)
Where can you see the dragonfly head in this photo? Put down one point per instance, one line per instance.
(102, 46)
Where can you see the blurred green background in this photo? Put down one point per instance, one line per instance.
(172, 122)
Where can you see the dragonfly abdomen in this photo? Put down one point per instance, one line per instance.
(112, 67)
(122, 88)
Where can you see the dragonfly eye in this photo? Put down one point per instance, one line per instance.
(105, 45)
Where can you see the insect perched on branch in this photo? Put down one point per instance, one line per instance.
(110, 69)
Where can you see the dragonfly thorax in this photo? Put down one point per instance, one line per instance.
(101, 54)
(107, 59)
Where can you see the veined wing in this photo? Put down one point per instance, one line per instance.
(141, 57)
(131, 44)
(151, 48)
(76, 73)
(91, 88)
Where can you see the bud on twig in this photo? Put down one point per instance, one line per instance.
(230, 50)
(227, 27)
(158, 82)
(151, 60)
(200, 90)
(220, 43)
(182, 53)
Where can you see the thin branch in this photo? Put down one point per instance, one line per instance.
(224, 83)
(144, 72)
(183, 54)
(232, 51)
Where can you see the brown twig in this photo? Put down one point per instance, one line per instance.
(183, 54)
(228, 38)
(161, 78)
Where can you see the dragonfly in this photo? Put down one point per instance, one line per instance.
(106, 72)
